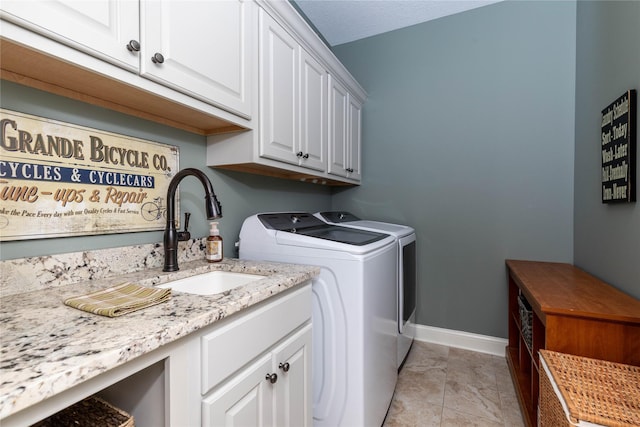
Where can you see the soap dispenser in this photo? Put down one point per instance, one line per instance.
(214, 244)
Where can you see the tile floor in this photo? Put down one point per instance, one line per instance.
(450, 387)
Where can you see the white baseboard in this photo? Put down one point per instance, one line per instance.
(459, 339)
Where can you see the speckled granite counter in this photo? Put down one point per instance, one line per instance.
(48, 347)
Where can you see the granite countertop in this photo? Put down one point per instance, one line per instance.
(48, 347)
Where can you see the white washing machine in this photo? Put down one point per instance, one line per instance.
(406, 281)
(354, 327)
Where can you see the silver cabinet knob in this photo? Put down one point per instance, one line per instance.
(284, 366)
(157, 58)
(272, 378)
(133, 46)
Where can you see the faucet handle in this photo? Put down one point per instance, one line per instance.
(185, 235)
(187, 215)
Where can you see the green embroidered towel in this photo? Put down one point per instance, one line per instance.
(119, 300)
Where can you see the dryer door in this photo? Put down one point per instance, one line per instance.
(407, 264)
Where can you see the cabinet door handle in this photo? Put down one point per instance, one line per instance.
(306, 156)
(133, 46)
(284, 366)
(299, 154)
(157, 58)
(272, 378)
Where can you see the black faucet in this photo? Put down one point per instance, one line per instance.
(171, 236)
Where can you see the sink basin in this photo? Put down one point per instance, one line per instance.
(211, 283)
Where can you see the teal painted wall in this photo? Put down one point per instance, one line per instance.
(240, 194)
(469, 137)
(606, 237)
(471, 131)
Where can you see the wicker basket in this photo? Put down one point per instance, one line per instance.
(596, 391)
(91, 411)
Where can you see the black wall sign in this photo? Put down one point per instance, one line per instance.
(618, 140)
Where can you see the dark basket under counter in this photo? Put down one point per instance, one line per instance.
(526, 320)
(92, 411)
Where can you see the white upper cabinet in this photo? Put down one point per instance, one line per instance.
(293, 98)
(201, 47)
(338, 105)
(345, 113)
(355, 138)
(102, 28)
(313, 113)
(278, 92)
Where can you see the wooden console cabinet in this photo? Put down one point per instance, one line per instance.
(574, 313)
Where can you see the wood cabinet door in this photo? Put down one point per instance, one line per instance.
(338, 127)
(101, 28)
(245, 400)
(292, 362)
(278, 92)
(206, 49)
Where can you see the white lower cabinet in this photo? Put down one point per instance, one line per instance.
(256, 370)
(292, 364)
(272, 391)
(245, 400)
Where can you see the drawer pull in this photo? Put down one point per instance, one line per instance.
(133, 46)
(157, 58)
(272, 378)
(284, 366)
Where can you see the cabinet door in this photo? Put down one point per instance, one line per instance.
(101, 28)
(206, 49)
(245, 400)
(313, 113)
(278, 92)
(354, 138)
(338, 126)
(292, 362)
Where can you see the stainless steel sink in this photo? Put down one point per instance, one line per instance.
(214, 282)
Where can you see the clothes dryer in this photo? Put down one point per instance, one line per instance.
(406, 281)
(354, 333)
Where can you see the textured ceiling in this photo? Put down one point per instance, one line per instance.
(343, 21)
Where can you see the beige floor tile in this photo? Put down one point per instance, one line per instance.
(442, 386)
(426, 354)
(451, 418)
(474, 400)
(412, 413)
(421, 384)
(476, 375)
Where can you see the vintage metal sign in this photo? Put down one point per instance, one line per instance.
(59, 179)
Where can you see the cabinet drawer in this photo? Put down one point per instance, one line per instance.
(233, 345)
